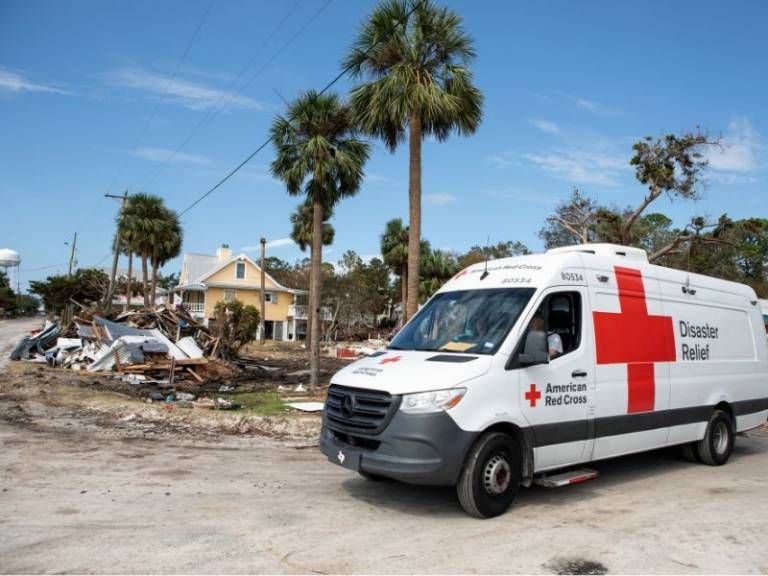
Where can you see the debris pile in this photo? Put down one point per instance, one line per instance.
(357, 349)
(160, 345)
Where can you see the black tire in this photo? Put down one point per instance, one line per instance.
(716, 446)
(689, 453)
(372, 477)
(490, 478)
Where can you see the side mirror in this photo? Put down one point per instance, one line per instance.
(535, 351)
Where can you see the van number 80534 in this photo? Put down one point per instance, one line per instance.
(572, 277)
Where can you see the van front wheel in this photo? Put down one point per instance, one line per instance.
(491, 476)
(716, 446)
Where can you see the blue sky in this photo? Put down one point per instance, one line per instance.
(569, 86)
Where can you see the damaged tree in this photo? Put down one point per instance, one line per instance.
(236, 325)
(671, 166)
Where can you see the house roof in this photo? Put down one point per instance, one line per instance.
(197, 266)
(202, 266)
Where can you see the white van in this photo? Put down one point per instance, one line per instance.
(521, 366)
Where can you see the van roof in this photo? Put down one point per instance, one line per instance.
(610, 250)
(540, 270)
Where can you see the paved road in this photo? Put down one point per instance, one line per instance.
(71, 502)
(10, 333)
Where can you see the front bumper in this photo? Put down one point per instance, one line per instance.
(414, 448)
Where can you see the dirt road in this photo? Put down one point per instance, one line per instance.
(77, 498)
(10, 333)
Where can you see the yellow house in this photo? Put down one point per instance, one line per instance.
(207, 279)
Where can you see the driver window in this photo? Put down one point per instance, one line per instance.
(559, 316)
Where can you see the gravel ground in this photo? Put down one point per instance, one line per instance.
(83, 491)
(82, 499)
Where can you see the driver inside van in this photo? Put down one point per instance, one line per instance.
(554, 342)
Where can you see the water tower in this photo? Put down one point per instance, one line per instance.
(10, 259)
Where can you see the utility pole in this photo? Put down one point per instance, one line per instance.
(72, 255)
(263, 249)
(110, 290)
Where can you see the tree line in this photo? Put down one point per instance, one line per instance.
(13, 304)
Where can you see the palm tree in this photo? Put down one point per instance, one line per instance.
(318, 156)
(301, 226)
(394, 250)
(437, 267)
(129, 246)
(127, 250)
(414, 60)
(301, 233)
(167, 245)
(144, 215)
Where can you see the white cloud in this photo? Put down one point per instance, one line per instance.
(731, 179)
(741, 148)
(192, 95)
(167, 155)
(372, 177)
(12, 82)
(521, 195)
(276, 243)
(582, 167)
(592, 106)
(440, 199)
(544, 125)
(502, 161)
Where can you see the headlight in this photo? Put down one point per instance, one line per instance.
(425, 402)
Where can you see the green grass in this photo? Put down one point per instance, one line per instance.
(264, 403)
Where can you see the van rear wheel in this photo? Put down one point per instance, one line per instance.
(491, 476)
(716, 446)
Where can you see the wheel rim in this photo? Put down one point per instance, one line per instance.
(720, 437)
(497, 475)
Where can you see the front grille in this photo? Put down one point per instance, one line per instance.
(358, 410)
(363, 442)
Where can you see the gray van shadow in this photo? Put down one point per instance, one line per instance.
(442, 501)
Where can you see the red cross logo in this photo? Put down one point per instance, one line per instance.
(532, 395)
(391, 359)
(635, 338)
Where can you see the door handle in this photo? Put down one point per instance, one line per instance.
(578, 373)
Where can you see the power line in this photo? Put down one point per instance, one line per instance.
(230, 91)
(43, 267)
(162, 96)
(338, 77)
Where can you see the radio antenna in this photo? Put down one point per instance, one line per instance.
(487, 254)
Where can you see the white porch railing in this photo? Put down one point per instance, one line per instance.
(195, 307)
(299, 312)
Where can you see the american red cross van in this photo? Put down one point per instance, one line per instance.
(522, 366)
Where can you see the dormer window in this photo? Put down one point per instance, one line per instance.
(240, 271)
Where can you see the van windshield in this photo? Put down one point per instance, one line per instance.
(471, 321)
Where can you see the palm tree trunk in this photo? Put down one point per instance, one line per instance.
(145, 277)
(314, 292)
(154, 277)
(310, 313)
(128, 290)
(404, 290)
(414, 215)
